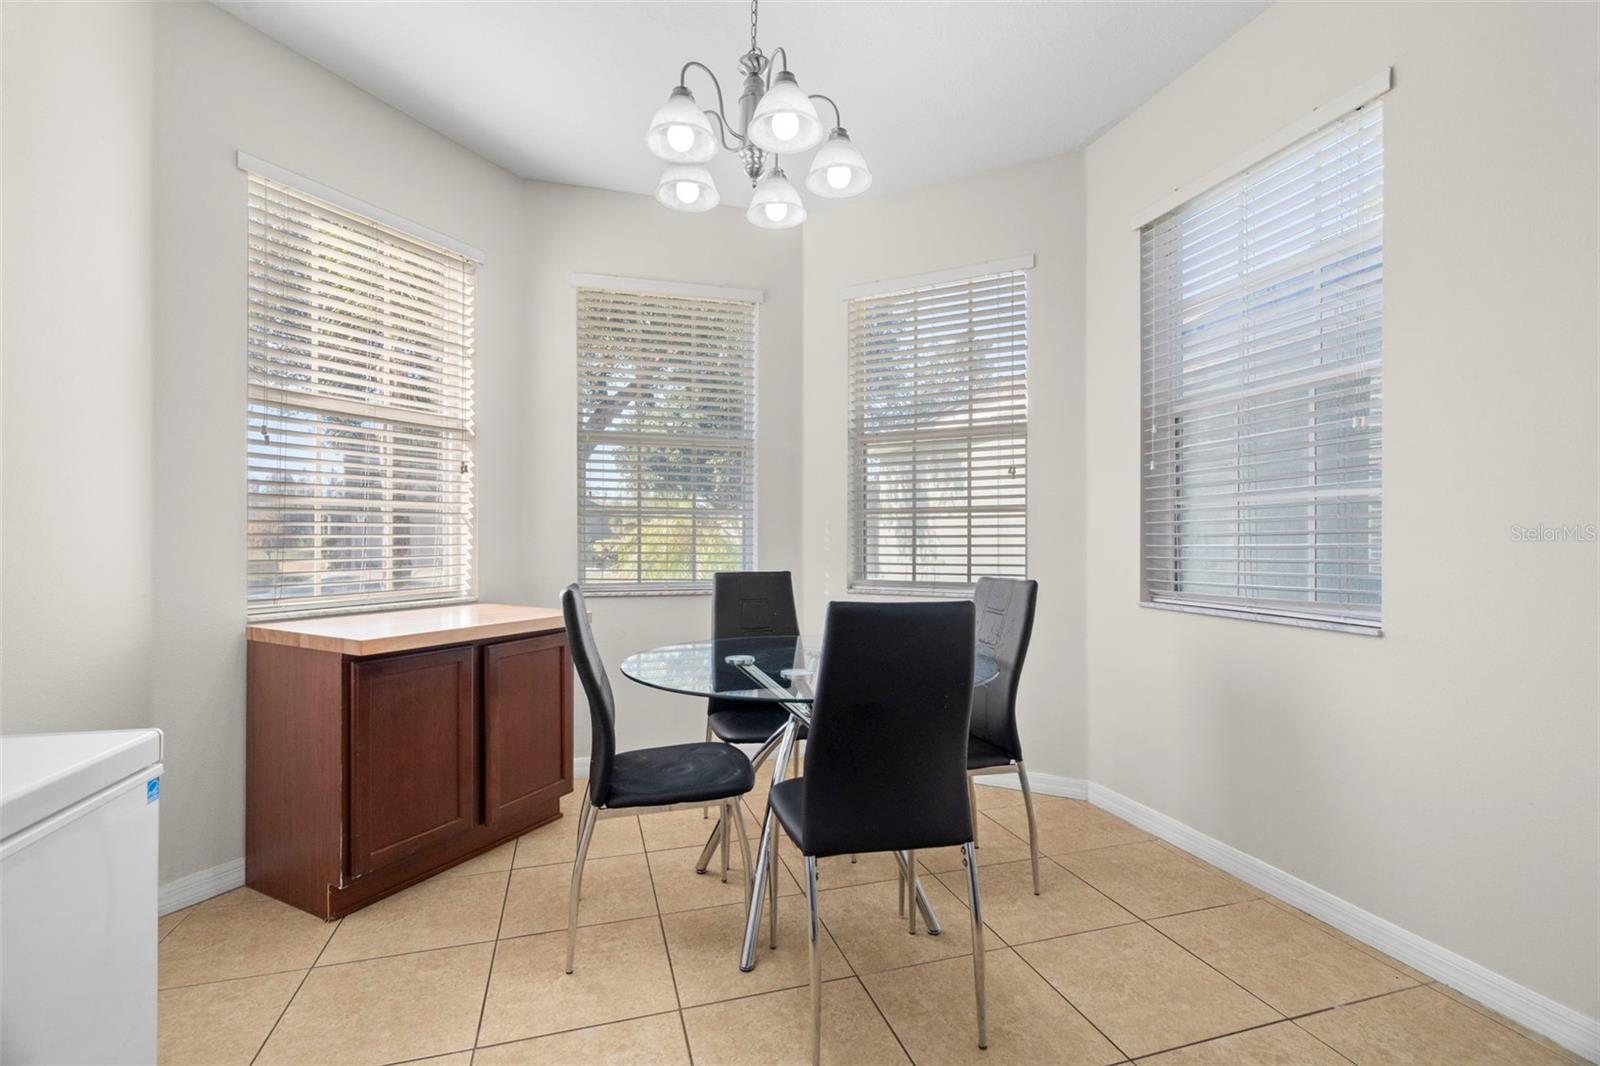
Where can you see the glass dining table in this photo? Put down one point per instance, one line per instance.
(761, 671)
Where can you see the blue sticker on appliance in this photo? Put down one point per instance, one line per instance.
(152, 790)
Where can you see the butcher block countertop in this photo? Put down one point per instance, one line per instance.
(381, 632)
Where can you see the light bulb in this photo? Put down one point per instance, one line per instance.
(838, 177)
(776, 212)
(785, 124)
(688, 192)
(680, 137)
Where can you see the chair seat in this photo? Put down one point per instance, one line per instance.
(981, 755)
(867, 835)
(752, 726)
(679, 773)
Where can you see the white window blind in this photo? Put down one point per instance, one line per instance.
(1263, 389)
(359, 412)
(939, 435)
(666, 440)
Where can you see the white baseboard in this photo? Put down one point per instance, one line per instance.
(191, 889)
(1567, 1027)
(580, 768)
(1044, 784)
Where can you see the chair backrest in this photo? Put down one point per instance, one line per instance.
(597, 688)
(750, 603)
(886, 763)
(1005, 625)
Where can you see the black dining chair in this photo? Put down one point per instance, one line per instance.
(749, 603)
(624, 783)
(885, 769)
(1005, 625)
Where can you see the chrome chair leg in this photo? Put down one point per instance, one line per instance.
(816, 960)
(972, 802)
(977, 947)
(772, 896)
(744, 849)
(764, 872)
(1033, 830)
(727, 837)
(586, 819)
(911, 864)
(705, 812)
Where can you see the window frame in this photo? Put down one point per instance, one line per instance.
(266, 404)
(687, 293)
(1281, 611)
(858, 581)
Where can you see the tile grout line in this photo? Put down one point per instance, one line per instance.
(494, 957)
(290, 1002)
(1222, 1036)
(892, 1030)
(1068, 1000)
(666, 945)
(1295, 1022)
(560, 1032)
(1184, 948)
(1306, 919)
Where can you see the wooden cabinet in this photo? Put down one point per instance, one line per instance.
(383, 748)
(526, 685)
(413, 752)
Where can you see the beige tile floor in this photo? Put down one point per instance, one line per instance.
(1135, 952)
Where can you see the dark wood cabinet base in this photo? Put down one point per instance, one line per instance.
(373, 887)
(366, 773)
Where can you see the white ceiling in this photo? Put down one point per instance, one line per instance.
(930, 91)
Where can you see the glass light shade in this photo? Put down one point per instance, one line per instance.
(785, 110)
(680, 132)
(838, 169)
(686, 188)
(776, 204)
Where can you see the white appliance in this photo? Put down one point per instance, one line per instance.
(78, 837)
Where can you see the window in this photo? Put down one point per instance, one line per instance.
(939, 435)
(666, 440)
(1263, 389)
(359, 412)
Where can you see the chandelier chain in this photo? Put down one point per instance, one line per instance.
(753, 4)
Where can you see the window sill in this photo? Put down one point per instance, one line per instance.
(269, 617)
(610, 593)
(1373, 629)
(941, 592)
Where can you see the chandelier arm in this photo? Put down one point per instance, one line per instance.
(772, 61)
(837, 123)
(722, 111)
(723, 131)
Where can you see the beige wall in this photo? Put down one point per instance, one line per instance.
(1442, 776)
(124, 358)
(221, 87)
(76, 628)
(1035, 209)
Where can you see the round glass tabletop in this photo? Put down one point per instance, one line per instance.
(702, 668)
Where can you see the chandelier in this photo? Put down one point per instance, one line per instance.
(776, 119)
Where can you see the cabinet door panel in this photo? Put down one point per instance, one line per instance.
(527, 725)
(413, 755)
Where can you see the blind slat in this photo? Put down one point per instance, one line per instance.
(1262, 314)
(938, 435)
(666, 440)
(359, 412)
